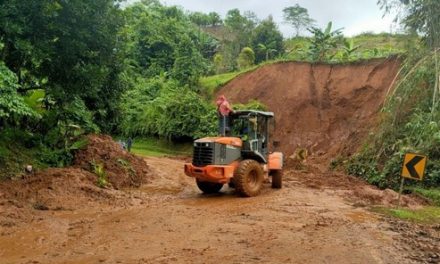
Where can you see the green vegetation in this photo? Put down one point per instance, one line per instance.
(267, 41)
(12, 106)
(369, 46)
(98, 169)
(162, 108)
(160, 147)
(432, 194)
(17, 148)
(209, 84)
(323, 44)
(428, 214)
(410, 124)
(246, 58)
(362, 47)
(411, 116)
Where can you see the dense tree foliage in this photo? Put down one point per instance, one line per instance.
(162, 40)
(12, 106)
(84, 56)
(236, 31)
(67, 48)
(267, 40)
(161, 107)
(206, 20)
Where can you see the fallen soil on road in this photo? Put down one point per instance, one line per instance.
(170, 221)
(60, 189)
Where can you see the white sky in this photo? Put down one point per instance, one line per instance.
(355, 16)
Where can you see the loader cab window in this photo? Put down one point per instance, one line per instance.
(240, 127)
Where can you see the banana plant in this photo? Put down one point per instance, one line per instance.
(324, 42)
(349, 48)
(267, 49)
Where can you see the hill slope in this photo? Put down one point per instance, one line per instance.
(324, 108)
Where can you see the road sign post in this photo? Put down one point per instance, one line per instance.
(402, 182)
(413, 168)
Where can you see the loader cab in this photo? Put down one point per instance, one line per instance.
(253, 128)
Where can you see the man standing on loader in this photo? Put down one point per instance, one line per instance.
(223, 111)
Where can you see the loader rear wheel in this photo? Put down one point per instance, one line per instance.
(209, 187)
(277, 179)
(248, 178)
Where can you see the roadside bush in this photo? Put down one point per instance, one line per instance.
(162, 108)
(411, 123)
(246, 58)
(12, 105)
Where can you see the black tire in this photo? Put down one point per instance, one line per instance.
(277, 179)
(209, 187)
(249, 178)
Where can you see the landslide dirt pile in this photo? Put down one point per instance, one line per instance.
(73, 187)
(326, 109)
(122, 168)
(355, 189)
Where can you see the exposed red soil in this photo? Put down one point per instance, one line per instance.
(326, 109)
(122, 168)
(73, 187)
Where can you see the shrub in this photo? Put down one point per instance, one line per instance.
(411, 123)
(12, 105)
(162, 108)
(246, 58)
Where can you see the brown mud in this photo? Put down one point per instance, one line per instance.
(170, 221)
(326, 109)
(74, 187)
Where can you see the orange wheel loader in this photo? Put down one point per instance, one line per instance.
(242, 160)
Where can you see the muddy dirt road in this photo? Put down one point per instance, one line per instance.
(169, 221)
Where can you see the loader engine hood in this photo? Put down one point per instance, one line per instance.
(216, 151)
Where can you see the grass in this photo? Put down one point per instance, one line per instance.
(385, 42)
(426, 215)
(432, 194)
(211, 83)
(152, 147)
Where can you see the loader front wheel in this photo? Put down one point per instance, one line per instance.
(249, 178)
(209, 187)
